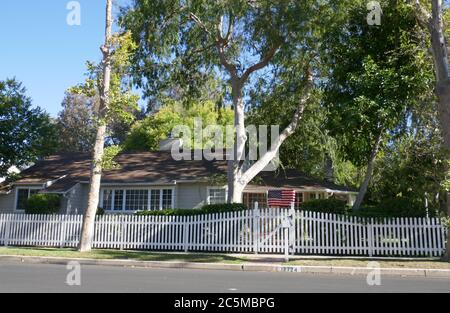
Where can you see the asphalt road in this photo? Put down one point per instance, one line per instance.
(19, 277)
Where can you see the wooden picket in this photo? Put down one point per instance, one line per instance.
(252, 231)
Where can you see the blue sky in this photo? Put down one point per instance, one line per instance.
(42, 51)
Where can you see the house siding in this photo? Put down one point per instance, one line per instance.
(7, 202)
(76, 199)
(191, 196)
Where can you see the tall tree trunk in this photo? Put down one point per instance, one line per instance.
(441, 66)
(237, 178)
(87, 232)
(369, 172)
(236, 188)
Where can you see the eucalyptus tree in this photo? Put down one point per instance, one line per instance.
(374, 76)
(240, 39)
(115, 103)
(435, 18)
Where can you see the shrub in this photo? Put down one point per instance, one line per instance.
(43, 204)
(394, 207)
(207, 209)
(331, 205)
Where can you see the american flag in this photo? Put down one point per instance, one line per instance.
(281, 198)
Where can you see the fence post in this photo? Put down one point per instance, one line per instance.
(8, 228)
(370, 236)
(122, 232)
(256, 216)
(63, 231)
(292, 238)
(186, 233)
(286, 244)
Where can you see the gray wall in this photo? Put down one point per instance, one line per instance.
(76, 200)
(190, 196)
(187, 196)
(7, 202)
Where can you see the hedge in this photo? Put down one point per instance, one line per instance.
(331, 205)
(43, 204)
(394, 207)
(207, 209)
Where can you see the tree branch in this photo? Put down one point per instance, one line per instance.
(221, 44)
(264, 160)
(199, 22)
(262, 63)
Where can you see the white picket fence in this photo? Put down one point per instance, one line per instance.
(252, 231)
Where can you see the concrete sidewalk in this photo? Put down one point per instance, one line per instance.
(255, 264)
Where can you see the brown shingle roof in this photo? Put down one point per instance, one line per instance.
(64, 171)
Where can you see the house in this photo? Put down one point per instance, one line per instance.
(152, 181)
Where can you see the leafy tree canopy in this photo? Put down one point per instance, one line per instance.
(123, 105)
(374, 76)
(26, 133)
(148, 133)
(177, 39)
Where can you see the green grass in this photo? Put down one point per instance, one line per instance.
(214, 258)
(425, 264)
(123, 255)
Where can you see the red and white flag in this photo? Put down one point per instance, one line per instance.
(281, 198)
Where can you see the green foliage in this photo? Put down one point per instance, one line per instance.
(100, 212)
(207, 209)
(123, 103)
(177, 40)
(412, 166)
(26, 133)
(109, 154)
(389, 207)
(43, 204)
(75, 124)
(446, 221)
(446, 181)
(375, 75)
(395, 207)
(148, 133)
(330, 205)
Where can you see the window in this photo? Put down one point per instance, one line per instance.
(298, 200)
(107, 199)
(249, 200)
(22, 196)
(217, 195)
(316, 196)
(167, 199)
(136, 199)
(118, 200)
(155, 200)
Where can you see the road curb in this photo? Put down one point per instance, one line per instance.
(247, 267)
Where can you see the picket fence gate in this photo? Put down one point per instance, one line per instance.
(253, 231)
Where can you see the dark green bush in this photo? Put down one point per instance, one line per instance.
(207, 209)
(326, 206)
(394, 207)
(43, 204)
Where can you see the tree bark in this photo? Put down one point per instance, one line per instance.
(87, 233)
(441, 66)
(237, 179)
(369, 172)
(235, 191)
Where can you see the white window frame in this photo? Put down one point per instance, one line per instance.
(208, 196)
(16, 198)
(124, 190)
